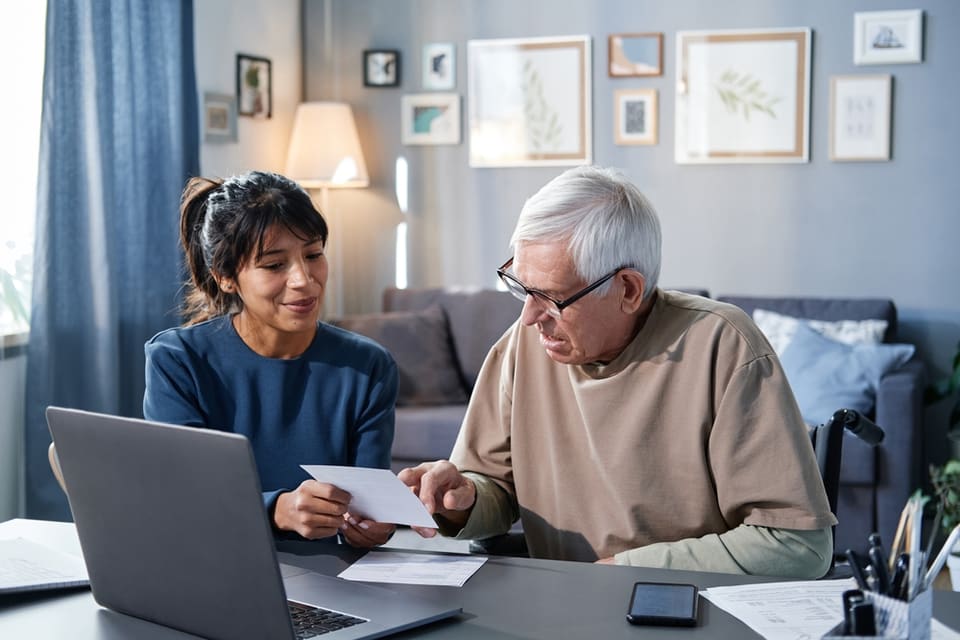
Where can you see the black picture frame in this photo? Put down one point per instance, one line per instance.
(254, 86)
(381, 68)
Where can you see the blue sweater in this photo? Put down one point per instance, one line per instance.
(334, 404)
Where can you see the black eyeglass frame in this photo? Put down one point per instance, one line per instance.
(560, 305)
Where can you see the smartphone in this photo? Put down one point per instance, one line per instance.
(663, 603)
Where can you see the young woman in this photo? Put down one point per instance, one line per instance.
(254, 358)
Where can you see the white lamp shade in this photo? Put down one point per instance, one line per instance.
(325, 148)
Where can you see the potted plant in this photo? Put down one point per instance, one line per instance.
(946, 478)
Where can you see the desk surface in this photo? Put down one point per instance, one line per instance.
(506, 598)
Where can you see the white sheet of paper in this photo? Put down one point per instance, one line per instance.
(26, 565)
(784, 610)
(413, 568)
(377, 494)
(793, 610)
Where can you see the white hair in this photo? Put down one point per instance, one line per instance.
(604, 219)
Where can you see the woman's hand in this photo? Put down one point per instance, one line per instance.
(314, 510)
(365, 533)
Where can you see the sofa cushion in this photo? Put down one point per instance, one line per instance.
(426, 433)
(780, 329)
(824, 309)
(419, 341)
(478, 317)
(827, 375)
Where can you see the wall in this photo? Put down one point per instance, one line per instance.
(224, 28)
(822, 228)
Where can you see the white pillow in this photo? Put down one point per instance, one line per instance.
(780, 329)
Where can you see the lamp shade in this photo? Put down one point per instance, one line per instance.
(325, 148)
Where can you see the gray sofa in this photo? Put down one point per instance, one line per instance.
(440, 337)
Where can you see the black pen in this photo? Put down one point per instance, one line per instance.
(899, 583)
(856, 568)
(879, 561)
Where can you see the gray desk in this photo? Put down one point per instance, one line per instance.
(506, 598)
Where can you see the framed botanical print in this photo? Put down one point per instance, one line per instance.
(529, 101)
(743, 96)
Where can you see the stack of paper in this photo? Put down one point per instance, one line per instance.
(28, 566)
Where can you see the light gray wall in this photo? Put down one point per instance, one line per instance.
(224, 28)
(823, 228)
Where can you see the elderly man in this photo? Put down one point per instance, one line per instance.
(624, 423)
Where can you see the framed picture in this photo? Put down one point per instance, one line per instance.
(529, 101)
(743, 96)
(439, 66)
(381, 68)
(635, 54)
(635, 116)
(860, 117)
(219, 117)
(254, 86)
(888, 37)
(430, 118)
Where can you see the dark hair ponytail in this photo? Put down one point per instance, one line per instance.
(222, 225)
(204, 299)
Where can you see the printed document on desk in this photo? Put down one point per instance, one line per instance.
(793, 610)
(377, 494)
(399, 567)
(28, 566)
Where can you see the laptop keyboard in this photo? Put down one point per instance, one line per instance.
(310, 621)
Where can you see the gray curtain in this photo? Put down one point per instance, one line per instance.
(119, 137)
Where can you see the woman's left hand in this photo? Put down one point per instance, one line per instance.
(365, 533)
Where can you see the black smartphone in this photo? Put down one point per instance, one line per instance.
(663, 603)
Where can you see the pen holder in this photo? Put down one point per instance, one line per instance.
(895, 619)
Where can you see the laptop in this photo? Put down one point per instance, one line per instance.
(173, 530)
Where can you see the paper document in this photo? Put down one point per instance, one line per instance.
(793, 610)
(28, 566)
(377, 494)
(413, 568)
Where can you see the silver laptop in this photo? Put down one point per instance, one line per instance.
(173, 530)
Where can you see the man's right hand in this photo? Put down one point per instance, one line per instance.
(443, 490)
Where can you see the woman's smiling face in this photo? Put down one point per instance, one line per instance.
(282, 292)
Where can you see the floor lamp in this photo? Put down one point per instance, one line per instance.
(325, 154)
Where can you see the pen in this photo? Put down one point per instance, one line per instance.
(871, 578)
(898, 538)
(856, 568)
(879, 562)
(941, 558)
(899, 583)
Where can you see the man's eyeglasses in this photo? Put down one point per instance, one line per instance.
(549, 304)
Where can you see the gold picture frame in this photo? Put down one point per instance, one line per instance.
(632, 55)
(529, 101)
(743, 96)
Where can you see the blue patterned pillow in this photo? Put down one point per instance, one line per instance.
(827, 375)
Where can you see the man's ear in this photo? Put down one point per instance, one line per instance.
(633, 287)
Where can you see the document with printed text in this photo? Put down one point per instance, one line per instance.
(413, 568)
(794, 610)
(377, 494)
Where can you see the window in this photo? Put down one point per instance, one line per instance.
(22, 26)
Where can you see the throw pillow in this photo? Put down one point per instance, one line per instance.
(420, 343)
(779, 329)
(827, 375)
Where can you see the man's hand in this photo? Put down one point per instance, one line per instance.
(314, 510)
(443, 490)
(365, 533)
